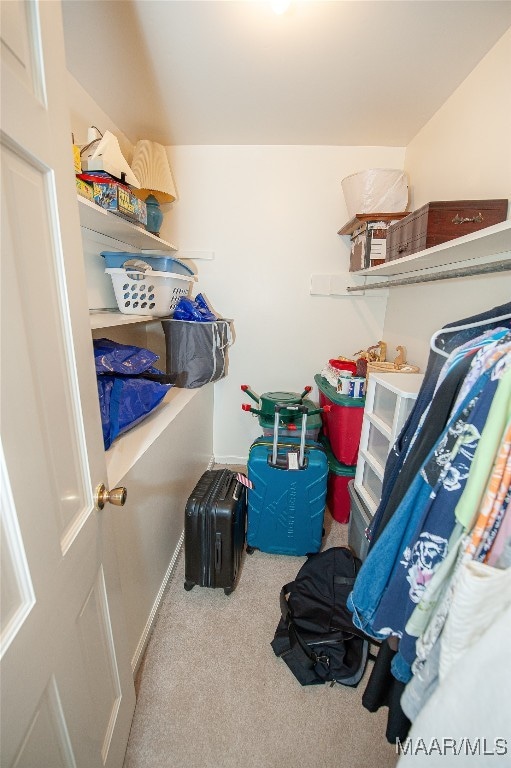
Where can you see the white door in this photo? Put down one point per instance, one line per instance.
(67, 693)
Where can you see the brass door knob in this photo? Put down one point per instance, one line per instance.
(116, 496)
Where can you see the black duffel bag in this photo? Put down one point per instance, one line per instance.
(315, 635)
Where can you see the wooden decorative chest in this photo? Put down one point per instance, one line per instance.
(440, 221)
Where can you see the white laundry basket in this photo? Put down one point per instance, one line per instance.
(148, 293)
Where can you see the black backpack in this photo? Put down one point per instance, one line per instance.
(315, 635)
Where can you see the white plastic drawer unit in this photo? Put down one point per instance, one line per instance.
(371, 483)
(389, 399)
(378, 444)
(384, 404)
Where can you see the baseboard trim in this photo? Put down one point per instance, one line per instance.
(142, 643)
(232, 460)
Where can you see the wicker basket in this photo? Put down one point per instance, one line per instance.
(377, 367)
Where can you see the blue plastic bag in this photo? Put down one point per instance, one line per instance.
(113, 357)
(196, 310)
(124, 399)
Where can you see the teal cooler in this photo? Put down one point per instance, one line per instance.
(339, 475)
(342, 425)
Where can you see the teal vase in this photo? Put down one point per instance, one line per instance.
(154, 215)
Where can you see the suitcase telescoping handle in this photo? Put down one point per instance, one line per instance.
(305, 414)
(304, 411)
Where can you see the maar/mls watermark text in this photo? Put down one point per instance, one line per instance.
(448, 746)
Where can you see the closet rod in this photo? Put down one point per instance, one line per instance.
(497, 266)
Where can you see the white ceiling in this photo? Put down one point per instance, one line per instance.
(361, 72)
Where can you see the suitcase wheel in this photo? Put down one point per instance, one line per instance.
(250, 550)
(188, 585)
(228, 590)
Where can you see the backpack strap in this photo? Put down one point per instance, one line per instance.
(345, 580)
(162, 378)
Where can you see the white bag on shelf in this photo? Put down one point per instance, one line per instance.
(377, 190)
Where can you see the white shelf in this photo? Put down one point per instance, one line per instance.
(113, 318)
(489, 242)
(106, 223)
(128, 448)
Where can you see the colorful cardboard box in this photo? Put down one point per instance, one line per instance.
(84, 189)
(114, 196)
(118, 199)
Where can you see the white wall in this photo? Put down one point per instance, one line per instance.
(463, 152)
(84, 112)
(271, 216)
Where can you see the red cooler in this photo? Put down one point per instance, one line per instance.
(343, 424)
(339, 475)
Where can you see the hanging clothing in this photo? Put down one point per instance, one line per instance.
(406, 542)
(447, 342)
(503, 538)
(493, 435)
(422, 685)
(379, 687)
(471, 705)
(437, 609)
(441, 406)
(494, 503)
(432, 520)
(504, 560)
(467, 508)
(481, 595)
(383, 690)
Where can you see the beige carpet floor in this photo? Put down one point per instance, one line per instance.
(211, 693)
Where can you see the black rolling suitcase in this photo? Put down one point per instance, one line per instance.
(215, 518)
